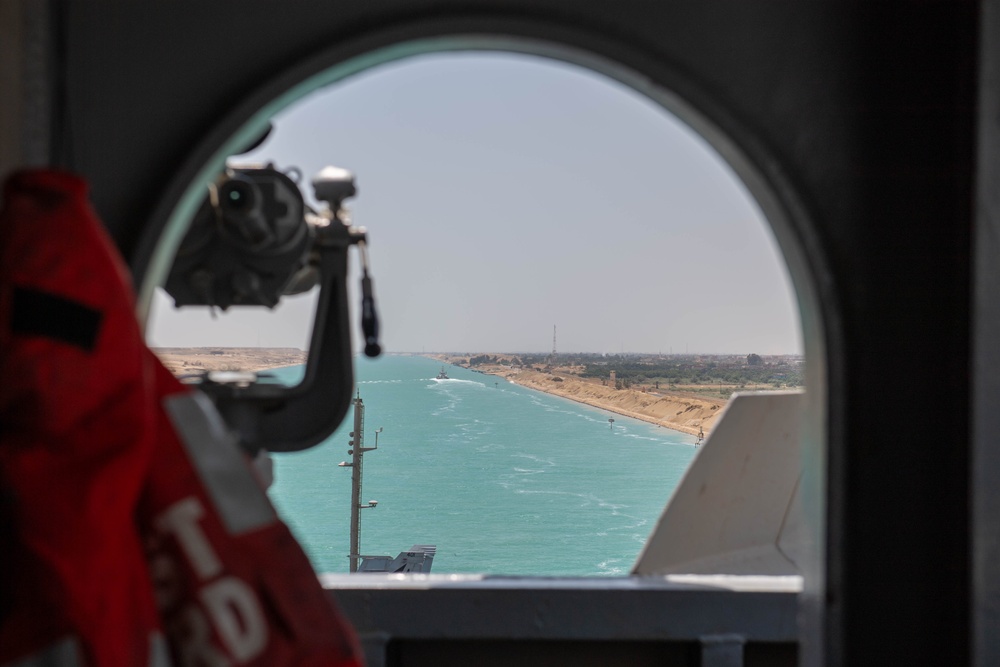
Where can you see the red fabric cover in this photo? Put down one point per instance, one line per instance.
(302, 625)
(76, 436)
(89, 461)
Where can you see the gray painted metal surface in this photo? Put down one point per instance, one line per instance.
(457, 608)
(722, 650)
(736, 510)
(986, 356)
(26, 66)
(62, 653)
(419, 558)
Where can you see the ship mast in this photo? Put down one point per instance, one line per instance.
(356, 465)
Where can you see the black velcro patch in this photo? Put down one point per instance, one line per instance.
(38, 313)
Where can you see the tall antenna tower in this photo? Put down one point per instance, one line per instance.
(553, 342)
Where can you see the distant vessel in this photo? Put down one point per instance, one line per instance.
(442, 375)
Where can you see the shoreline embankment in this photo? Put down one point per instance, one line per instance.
(673, 410)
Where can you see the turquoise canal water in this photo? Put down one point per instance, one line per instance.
(504, 480)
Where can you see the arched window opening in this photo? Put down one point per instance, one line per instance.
(516, 204)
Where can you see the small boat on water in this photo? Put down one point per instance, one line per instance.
(442, 375)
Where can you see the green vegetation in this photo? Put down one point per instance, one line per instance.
(780, 372)
(482, 359)
(718, 375)
(749, 372)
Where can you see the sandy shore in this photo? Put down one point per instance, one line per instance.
(183, 360)
(674, 410)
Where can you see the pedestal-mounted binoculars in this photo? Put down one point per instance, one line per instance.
(254, 240)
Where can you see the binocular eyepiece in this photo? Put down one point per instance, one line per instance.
(250, 242)
(237, 195)
(238, 207)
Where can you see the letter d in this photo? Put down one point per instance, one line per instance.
(237, 616)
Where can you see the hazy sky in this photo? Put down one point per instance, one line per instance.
(506, 194)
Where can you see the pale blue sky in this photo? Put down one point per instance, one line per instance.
(504, 194)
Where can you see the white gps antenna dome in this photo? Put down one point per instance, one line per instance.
(333, 185)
